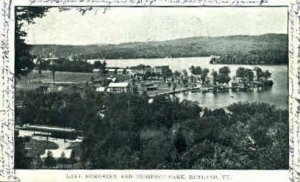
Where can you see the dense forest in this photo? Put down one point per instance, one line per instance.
(254, 57)
(63, 64)
(127, 131)
(274, 45)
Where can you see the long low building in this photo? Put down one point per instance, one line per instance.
(49, 128)
(53, 131)
(119, 87)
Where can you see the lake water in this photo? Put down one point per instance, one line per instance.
(277, 95)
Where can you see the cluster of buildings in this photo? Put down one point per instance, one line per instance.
(138, 70)
(109, 82)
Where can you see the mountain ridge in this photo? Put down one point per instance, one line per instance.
(183, 47)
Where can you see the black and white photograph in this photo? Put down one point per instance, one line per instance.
(151, 88)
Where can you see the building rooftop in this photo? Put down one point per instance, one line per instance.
(49, 128)
(100, 89)
(96, 70)
(119, 84)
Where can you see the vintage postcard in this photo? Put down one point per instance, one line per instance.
(149, 91)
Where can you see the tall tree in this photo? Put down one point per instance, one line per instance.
(192, 69)
(50, 162)
(259, 73)
(21, 162)
(100, 66)
(204, 74)
(196, 70)
(240, 72)
(63, 160)
(73, 158)
(267, 74)
(224, 74)
(184, 72)
(224, 70)
(249, 74)
(215, 76)
(23, 59)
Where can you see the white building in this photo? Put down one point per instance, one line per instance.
(96, 70)
(100, 89)
(119, 87)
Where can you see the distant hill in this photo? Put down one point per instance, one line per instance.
(186, 47)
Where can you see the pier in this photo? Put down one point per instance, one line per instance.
(174, 92)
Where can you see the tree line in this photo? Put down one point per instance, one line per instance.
(189, 47)
(171, 134)
(266, 57)
(63, 64)
(221, 76)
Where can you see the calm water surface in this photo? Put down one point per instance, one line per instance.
(277, 95)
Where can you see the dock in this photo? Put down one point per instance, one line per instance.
(174, 92)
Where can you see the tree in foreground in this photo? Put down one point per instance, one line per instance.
(21, 162)
(50, 162)
(73, 158)
(23, 59)
(63, 160)
(171, 134)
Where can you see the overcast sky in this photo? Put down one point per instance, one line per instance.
(119, 25)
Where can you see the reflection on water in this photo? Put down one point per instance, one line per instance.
(277, 95)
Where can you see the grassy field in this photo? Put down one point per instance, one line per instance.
(34, 80)
(59, 77)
